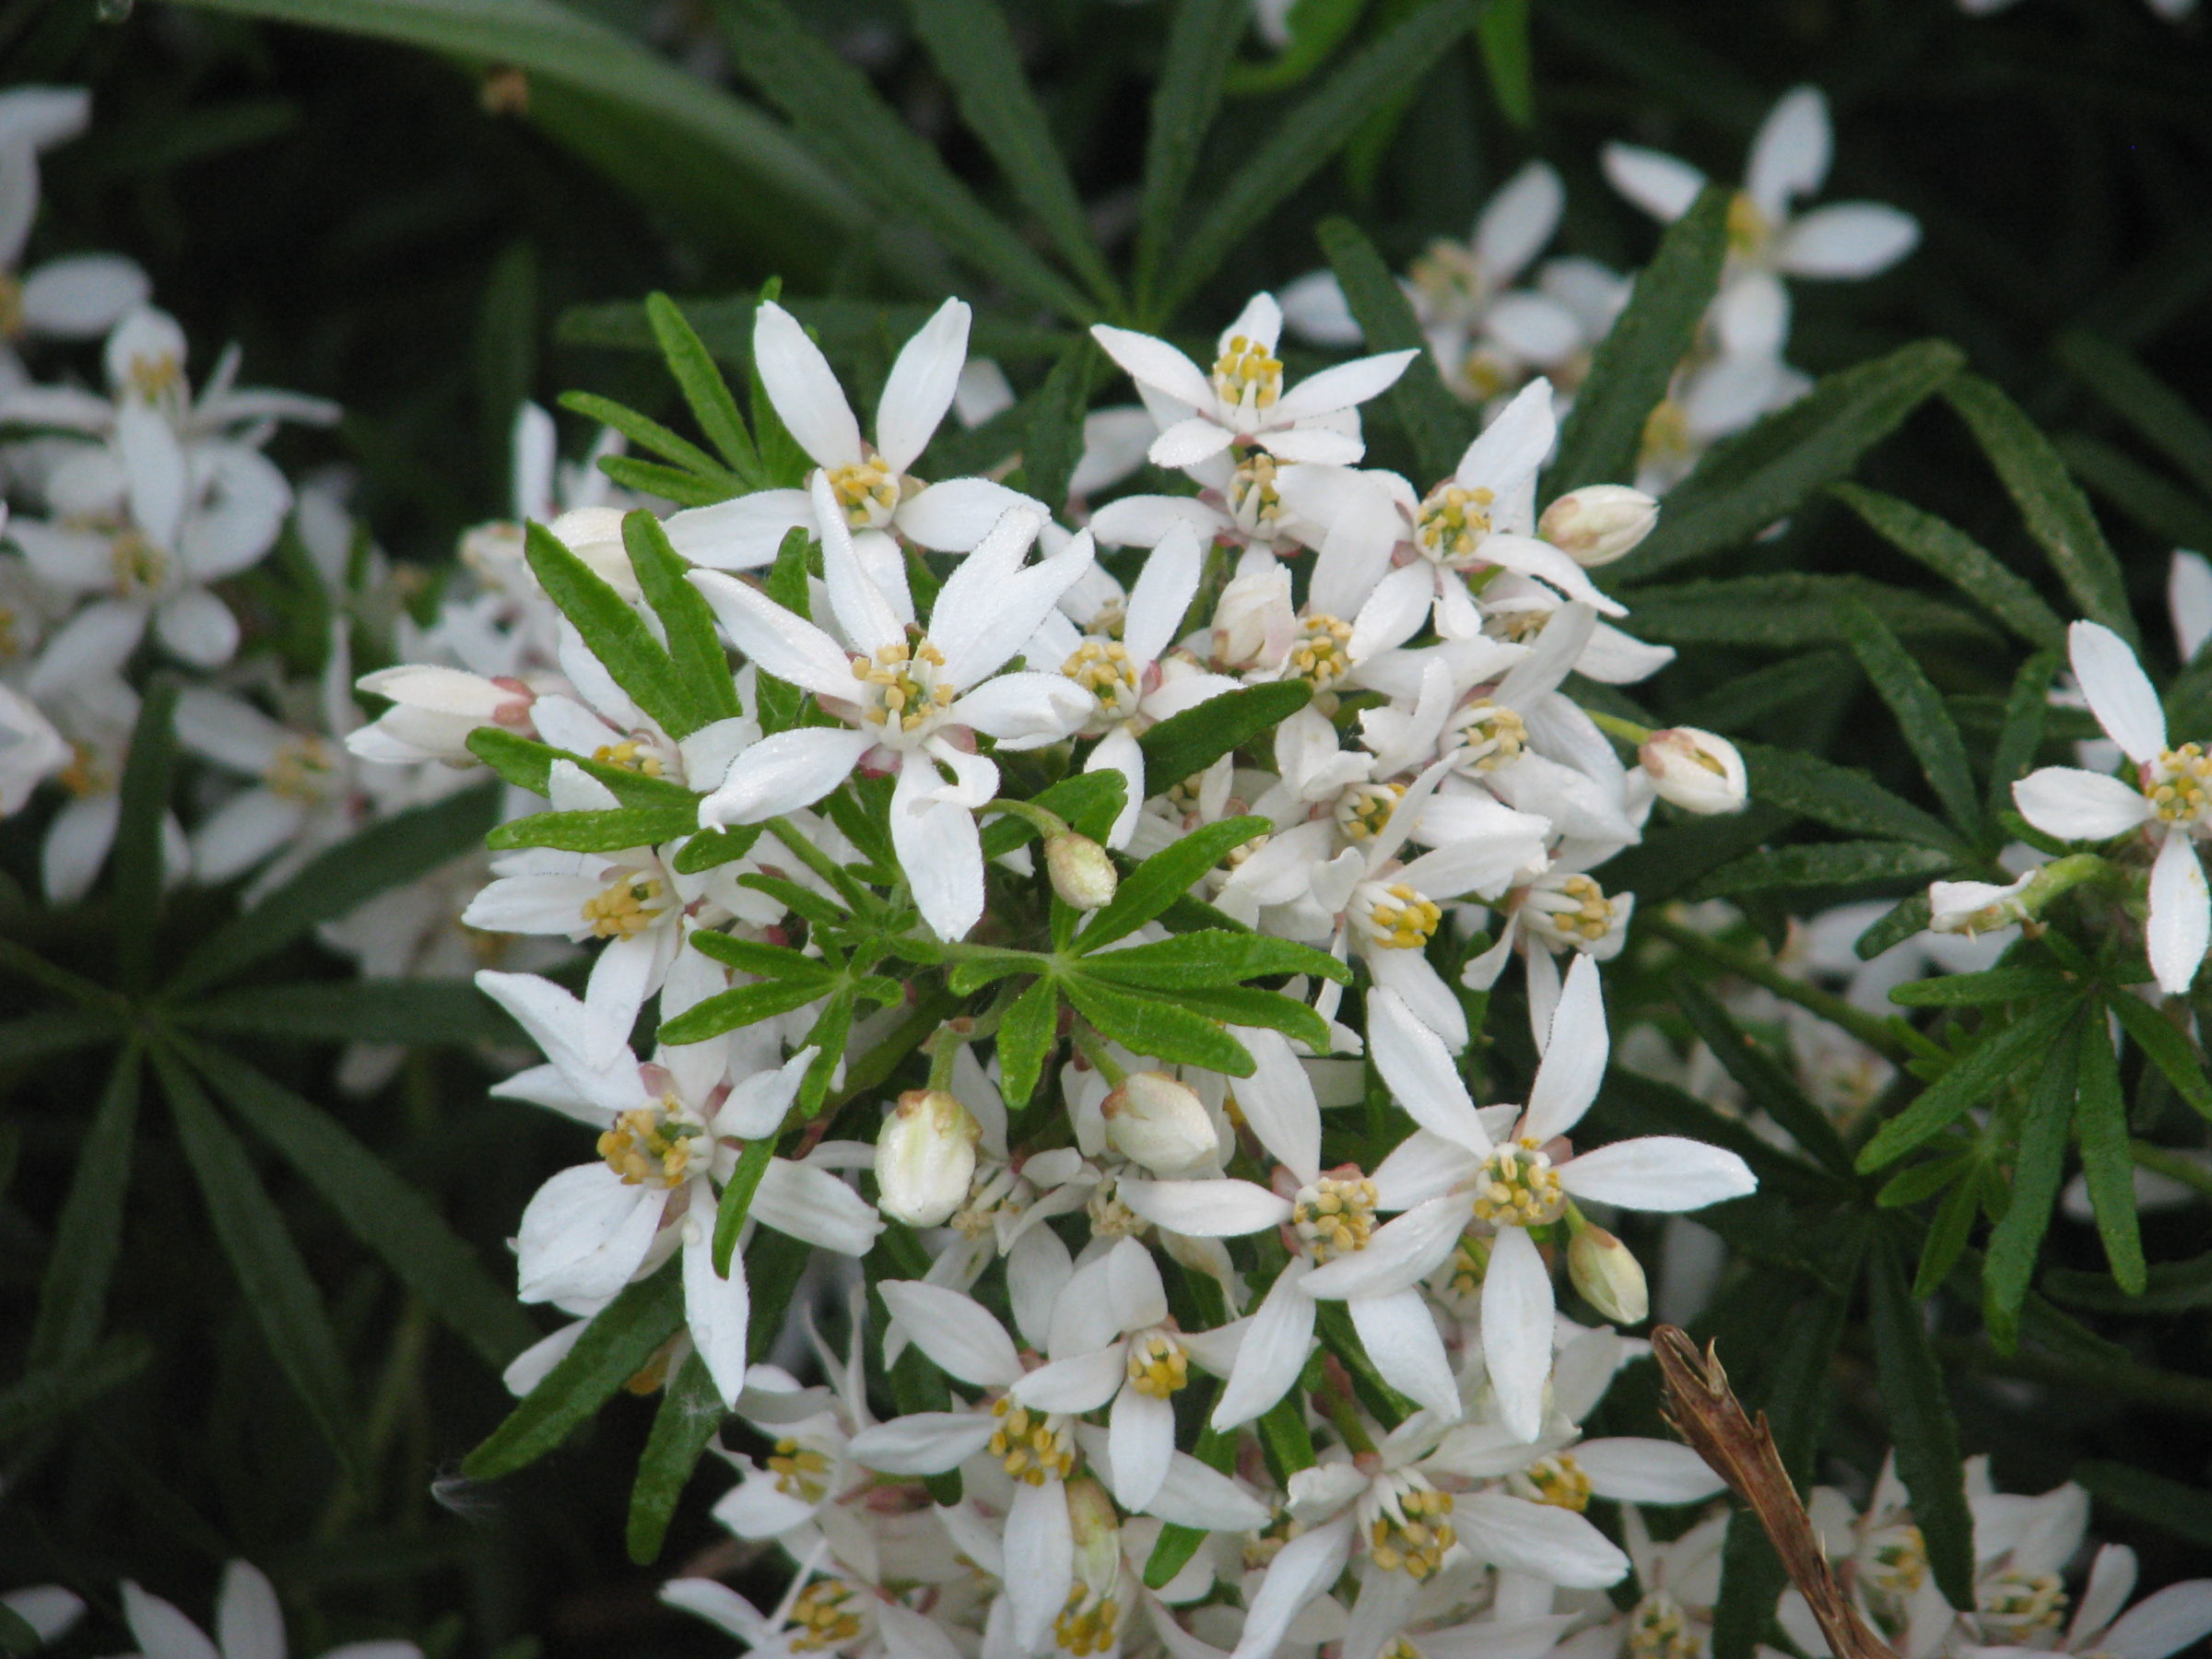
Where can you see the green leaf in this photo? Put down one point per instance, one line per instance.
(18, 1636)
(1186, 744)
(704, 389)
(337, 882)
(1909, 917)
(1439, 424)
(1922, 1180)
(1167, 1030)
(2022, 732)
(2160, 417)
(1915, 1398)
(1027, 1035)
(2056, 513)
(1246, 1006)
(1972, 1078)
(745, 1006)
(87, 1238)
(1164, 878)
(1748, 481)
(1959, 559)
(619, 1342)
(1211, 957)
(2170, 513)
(1088, 802)
(1283, 1437)
(596, 830)
(1055, 439)
(2014, 1242)
(2167, 1288)
(2184, 1511)
(1825, 864)
(2170, 1051)
(837, 111)
(832, 1027)
(416, 1013)
(1760, 1074)
(1979, 990)
(613, 632)
(1634, 363)
(1501, 30)
(779, 704)
(384, 1212)
(1306, 137)
(54, 1032)
(686, 490)
(737, 1199)
(1671, 859)
(1927, 725)
(1202, 38)
(711, 849)
(691, 1410)
(647, 434)
(1788, 611)
(142, 811)
(278, 1292)
(50, 1393)
(770, 962)
(528, 764)
(702, 666)
(1177, 1544)
(974, 51)
(1838, 797)
(2108, 1165)
(1947, 1233)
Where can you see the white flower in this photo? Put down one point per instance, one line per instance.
(2171, 801)
(75, 297)
(1455, 1171)
(914, 704)
(2159, 1625)
(925, 1157)
(248, 1625)
(30, 750)
(1698, 770)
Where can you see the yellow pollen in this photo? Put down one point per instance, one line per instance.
(1517, 1187)
(800, 1471)
(1084, 1630)
(1034, 1446)
(1453, 522)
(1397, 1647)
(152, 376)
(1489, 373)
(2176, 784)
(1363, 810)
(1412, 1536)
(1748, 227)
(1470, 1264)
(1577, 913)
(625, 907)
(85, 775)
(1110, 1217)
(1252, 498)
(630, 756)
(1102, 667)
(1557, 1480)
(11, 307)
(649, 1146)
(304, 770)
(1334, 1216)
(868, 492)
(826, 1611)
(2015, 1607)
(1895, 1561)
(1659, 1628)
(1245, 374)
(137, 564)
(1318, 653)
(1489, 736)
(1158, 1366)
(1447, 283)
(1666, 432)
(1397, 917)
(903, 687)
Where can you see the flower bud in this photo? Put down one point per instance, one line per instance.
(595, 535)
(1155, 1120)
(1597, 524)
(925, 1158)
(1695, 769)
(1973, 907)
(1081, 872)
(1607, 1275)
(1253, 621)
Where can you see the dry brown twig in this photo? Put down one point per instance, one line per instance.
(1705, 1412)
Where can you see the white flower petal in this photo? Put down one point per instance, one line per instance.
(921, 385)
(1557, 1544)
(1661, 185)
(1397, 1255)
(804, 388)
(1511, 447)
(743, 533)
(1140, 1443)
(957, 1333)
(1630, 1470)
(784, 772)
(1416, 1067)
(1658, 1172)
(162, 1631)
(248, 1622)
(1079, 1384)
(1205, 1209)
(1275, 1346)
(809, 1202)
(1188, 443)
(952, 517)
(2161, 1623)
(1156, 364)
(1134, 1288)
(585, 1233)
(1192, 1494)
(1301, 1570)
(2189, 600)
(716, 1310)
(1790, 155)
(1519, 221)
(1400, 1337)
(2073, 804)
(81, 296)
(1345, 386)
(1040, 1559)
(1517, 1307)
(924, 1443)
(1277, 1101)
(1846, 241)
(2120, 693)
(939, 849)
(1574, 1057)
(2181, 914)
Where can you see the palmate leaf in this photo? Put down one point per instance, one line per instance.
(1027, 1034)
(1916, 1398)
(684, 488)
(681, 453)
(1166, 1029)
(1926, 724)
(702, 666)
(1439, 424)
(1269, 1010)
(72, 1297)
(747, 1005)
(737, 1199)
(1992, 1062)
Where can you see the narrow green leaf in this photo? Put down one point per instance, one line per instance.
(1202, 39)
(2169, 1050)
(1671, 859)
(53, 1392)
(1269, 1010)
(2056, 513)
(72, 1297)
(974, 51)
(528, 764)
(690, 1412)
(745, 1006)
(2167, 1288)
(2021, 735)
(1791, 610)
(337, 882)
(418, 1013)
(686, 490)
(779, 704)
(737, 1199)
(1027, 1035)
(1177, 1544)
(2169, 511)
(384, 1212)
(1947, 1234)
(1980, 1073)
(1634, 363)
(1167, 1030)
(1760, 1074)
(1919, 1182)
(620, 1341)
(1186, 744)
(704, 389)
(799, 900)
(832, 1027)
(1439, 424)
(279, 1293)
(770, 962)
(2014, 1242)
(650, 434)
(612, 631)
(142, 811)
(1317, 28)
(1909, 917)
(1825, 864)
(55, 1031)
(1164, 878)
(2107, 1163)
(1758, 477)
(1927, 725)
(1211, 957)
(1838, 797)
(2184, 1511)
(1979, 990)
(1916, 1398)
(1054, 439)
(2158, 414)
(1333, 1323)
(711, 849)
(1501, 30)
(20, 1638)
(1283, 1437)
(1959, 559)
(1306, 137)
(596, 830)
(837, 111)
(702, 666)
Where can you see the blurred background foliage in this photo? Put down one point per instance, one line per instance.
(405, 230)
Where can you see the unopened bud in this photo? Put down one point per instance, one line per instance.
(1081, 872)
(1155, 1120)
(595, 535)
(1253, 620)
(1608, 1277)
(1695, 769)
(1597, 524)
(925, 1158)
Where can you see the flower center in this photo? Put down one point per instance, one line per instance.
(1448, 284)
(1895, 1560)
(11, 307)
(303, 771)
(1247, 376)
(1453, 524)
(1470, 1264)
(1666, 432)
(151, 376)
(1102, 666)
(1576, 912)
(630, 756)
(801, 1472)
(2176, 786)
(1318, 653)
(2018, 1605)
(901, 692)
(138, 566)
(86, 775)
(1557, 1480)
(1110, 1217)
(1035, 1446)
(1397, 917)
(625, 907)
(1158, 1366)
(1488, 735)
(1086, 1627)
(1410, 1534)
(868, 492)
(1518, 1187)
(1363, 810)
(1253, 501)
(828, 1615)
(660, 1146)
(1489, 373)
(1659, 1628)
(1334, 1216)
(1748, 227)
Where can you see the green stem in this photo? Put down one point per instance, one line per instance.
(1095, 1051)
(2174, 1166)
(1868, 1029)
(1045, 823)
(1628, 730)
